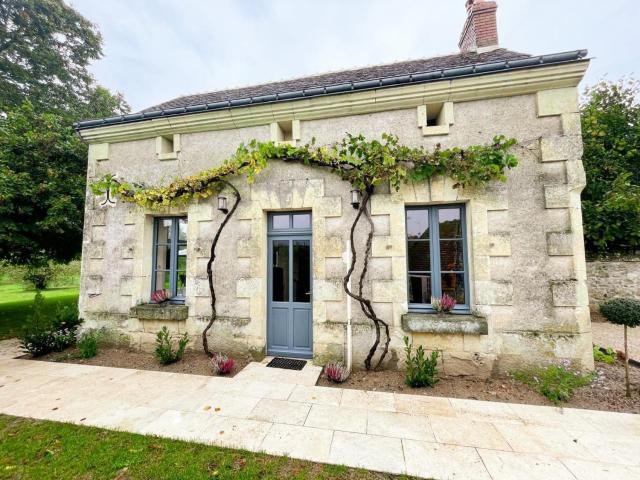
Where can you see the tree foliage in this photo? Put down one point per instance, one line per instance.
(42, 187)
(45, 49)
(611, 137)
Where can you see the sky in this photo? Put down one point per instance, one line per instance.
(156, 50)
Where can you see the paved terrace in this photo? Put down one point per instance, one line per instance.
(423, 436)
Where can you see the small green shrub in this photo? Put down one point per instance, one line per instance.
(42, 334)
(420, 371)
(608, 356)
(164, 349)
(555, 382)
(38, 273)
(622, 311)
(88, 344)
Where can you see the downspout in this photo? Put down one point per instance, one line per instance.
(347, 259)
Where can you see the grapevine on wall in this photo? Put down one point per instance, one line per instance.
(365, 164)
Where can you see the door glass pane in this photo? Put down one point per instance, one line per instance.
(163, 257)
(164, 231)
(420, 288)
(453, 285)
(280, 272)
(182, 230)
(451, 255)
(162, 280)
(301, 271)
(419, 256)
(450, 224)
(301, 220)
(418, 224)
(280, 221)
(181, 283)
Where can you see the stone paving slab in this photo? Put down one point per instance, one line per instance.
(396, 433)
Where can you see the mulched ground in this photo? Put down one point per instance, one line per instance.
(606, 393)
(193, 362)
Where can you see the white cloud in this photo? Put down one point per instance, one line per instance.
(156, 50)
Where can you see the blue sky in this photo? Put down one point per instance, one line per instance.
(155, 50)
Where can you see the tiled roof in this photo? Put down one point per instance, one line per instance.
(345, 76)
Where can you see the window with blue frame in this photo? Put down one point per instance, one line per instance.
(170, 256)
(437, 255)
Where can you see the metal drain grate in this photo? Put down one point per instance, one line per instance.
(287, 363)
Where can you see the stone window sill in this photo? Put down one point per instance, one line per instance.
(152, 311)
(444, 324)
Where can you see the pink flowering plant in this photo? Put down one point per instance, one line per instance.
(336, 372)
(444, 304)
(160, 296)
(222, 365)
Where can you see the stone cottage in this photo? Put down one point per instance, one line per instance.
(511, 254)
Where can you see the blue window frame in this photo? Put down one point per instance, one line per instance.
(170, 256)
(437, 255)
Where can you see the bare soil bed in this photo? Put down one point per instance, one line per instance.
(605, 393)
(193, 362)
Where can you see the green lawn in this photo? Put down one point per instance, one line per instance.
(16, 301)
(49, 450)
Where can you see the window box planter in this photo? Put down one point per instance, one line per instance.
(444, 324)
(154, 311)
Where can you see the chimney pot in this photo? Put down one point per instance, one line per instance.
(480, 32)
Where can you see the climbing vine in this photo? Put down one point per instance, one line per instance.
(364, 164)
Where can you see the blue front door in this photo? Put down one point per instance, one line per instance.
(289, 321)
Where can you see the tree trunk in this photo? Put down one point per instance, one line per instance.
(626, 364)
(212, 258)
(365, 304)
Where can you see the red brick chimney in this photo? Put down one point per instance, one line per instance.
(480, 32)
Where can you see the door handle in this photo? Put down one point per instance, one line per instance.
(308, 293)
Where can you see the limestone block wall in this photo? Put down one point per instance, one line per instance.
(613, 278)
(526, 260)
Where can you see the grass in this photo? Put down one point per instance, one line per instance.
(16, 302)
(49, 450)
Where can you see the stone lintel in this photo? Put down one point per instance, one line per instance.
(447, 324)
(153, 311)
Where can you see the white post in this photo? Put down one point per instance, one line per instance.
(347, 258)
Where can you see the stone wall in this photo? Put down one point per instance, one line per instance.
(613, 278)
(526, 259)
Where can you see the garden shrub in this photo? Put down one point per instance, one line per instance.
(556, 382)
(626, 312)
(164, 349)
(604, 355)
(222, 365)
(336, 372)
(88, 344)
(420, 371)
(38, 273)
(42, 334)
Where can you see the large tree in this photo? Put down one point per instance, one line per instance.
(45, 50)
(611, 136)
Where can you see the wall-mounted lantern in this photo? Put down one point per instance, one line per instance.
(355, 198)
(222, 204)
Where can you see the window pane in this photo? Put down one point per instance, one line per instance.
(280, 271)
(182, 230)
(453, 285)
(301, 220)
(182, 261)
(163, 257)
(450, 224)
(419, 288)
(164, 230)
(181, 283)
(162, 280)
(280, 221)
(418, 224)
(301, 271)
(451, 255)
(419, 256)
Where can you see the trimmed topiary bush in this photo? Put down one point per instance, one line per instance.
(626, 312)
